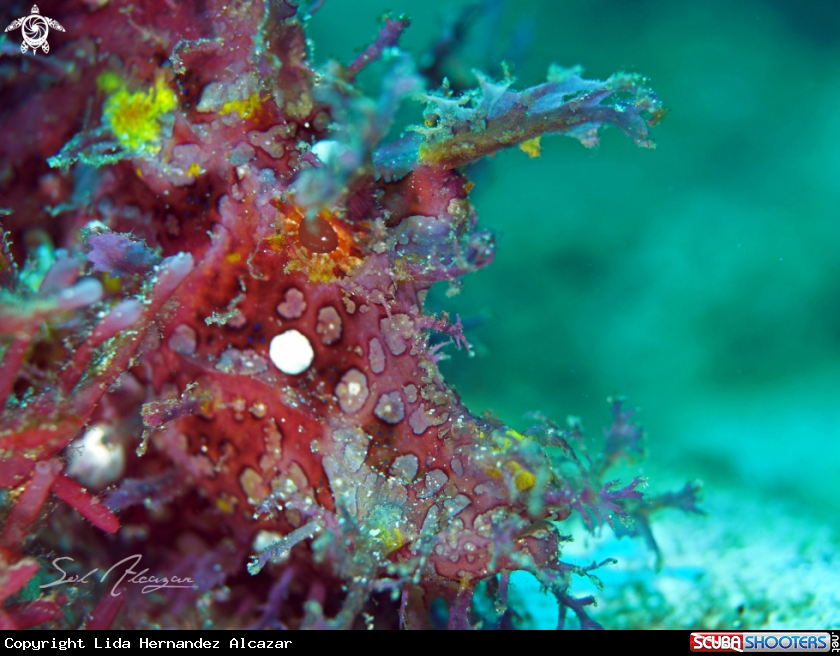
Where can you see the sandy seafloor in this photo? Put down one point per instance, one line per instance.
(701, 280)
(749, 565)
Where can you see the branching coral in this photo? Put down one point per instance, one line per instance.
(232, 298)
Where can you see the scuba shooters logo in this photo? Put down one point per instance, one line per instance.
(761, 641)
(35, 29)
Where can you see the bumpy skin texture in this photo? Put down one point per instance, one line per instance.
(191, 146)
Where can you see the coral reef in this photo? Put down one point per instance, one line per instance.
(214, 342)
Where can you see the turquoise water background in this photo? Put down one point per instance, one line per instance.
(701, 280)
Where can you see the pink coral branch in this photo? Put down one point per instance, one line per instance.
(388, 37)
(49, 437)
(33, 613)
(14, 470)
(14, 577)
(103, 616)
(120, 318)
(88, 506)
(459, 611)
(29, 503)
(12, 359)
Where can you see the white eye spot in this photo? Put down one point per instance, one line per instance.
(264, 539)
(94, 461)
(328, 150)
(291, 352)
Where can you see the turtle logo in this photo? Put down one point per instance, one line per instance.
(35, 29)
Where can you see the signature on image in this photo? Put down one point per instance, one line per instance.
(149, 583)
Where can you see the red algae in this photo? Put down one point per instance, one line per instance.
(228, 284)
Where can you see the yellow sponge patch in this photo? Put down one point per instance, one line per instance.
(531, 147)
(522, 478)
(134, 118)
(245, 108)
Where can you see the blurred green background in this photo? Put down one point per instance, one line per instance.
(701, 279)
